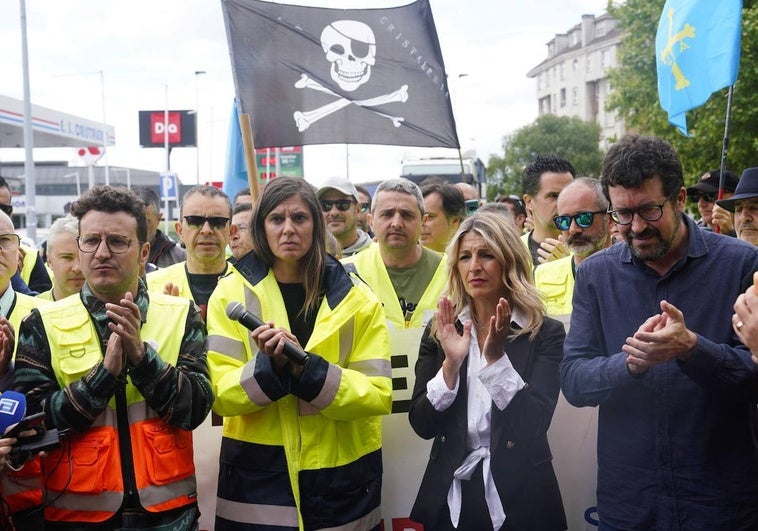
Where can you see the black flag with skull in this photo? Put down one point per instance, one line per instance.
(310, 75)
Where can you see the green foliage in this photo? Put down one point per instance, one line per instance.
(635, 95)
(572, 138)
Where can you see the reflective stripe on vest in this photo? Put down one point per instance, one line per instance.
(257, 514)
(162, 455)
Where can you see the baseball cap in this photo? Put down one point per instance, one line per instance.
(341, 185)
(709, 183)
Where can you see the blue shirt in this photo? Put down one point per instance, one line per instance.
(678, 446)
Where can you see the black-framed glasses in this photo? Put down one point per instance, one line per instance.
(624, 216)
(8, 209)
(89, 243)
(215, 222)
(343, 205)
(709, 198)
(365, 207)
(10, 242)
(583, 219)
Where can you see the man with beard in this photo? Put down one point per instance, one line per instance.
(205, 229)
(340, 205)
(542, 181)
(584, 222)
(744, 205)
(651, 343)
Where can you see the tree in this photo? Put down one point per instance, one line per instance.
(572, 138)
(635, 93)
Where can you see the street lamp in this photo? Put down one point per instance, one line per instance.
(198, 73)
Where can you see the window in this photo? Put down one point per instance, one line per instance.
(574, 96)
(575, 65)
(563, 97)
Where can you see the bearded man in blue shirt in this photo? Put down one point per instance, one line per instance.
(651, 343)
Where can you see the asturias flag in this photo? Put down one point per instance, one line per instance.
(697, 50)
(310, 75)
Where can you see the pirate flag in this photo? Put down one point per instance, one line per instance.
(310, 75)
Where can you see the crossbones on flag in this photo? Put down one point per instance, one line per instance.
(309, 75)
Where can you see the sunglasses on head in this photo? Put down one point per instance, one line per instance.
(215, 222)
(709, 198)
(583, 220)
(343, 205)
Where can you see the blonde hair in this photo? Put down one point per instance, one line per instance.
(503, 239)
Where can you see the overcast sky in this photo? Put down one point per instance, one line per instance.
(144, 46)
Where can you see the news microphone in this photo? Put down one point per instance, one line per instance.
(237, 311)
(12, 410)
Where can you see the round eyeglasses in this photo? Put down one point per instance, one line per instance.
(583, 219)
(90, 243)
(624, 216)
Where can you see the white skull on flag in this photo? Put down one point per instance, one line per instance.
(351, 48)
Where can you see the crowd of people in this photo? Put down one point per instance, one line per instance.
(321, 323)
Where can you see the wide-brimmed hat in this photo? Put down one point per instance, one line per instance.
(747, 188)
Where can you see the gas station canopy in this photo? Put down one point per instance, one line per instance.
(51, 128)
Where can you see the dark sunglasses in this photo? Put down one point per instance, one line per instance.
(365, 207)
(197, 222)
(8, 209)
(343, 205)
(583, 219)
(709, 198)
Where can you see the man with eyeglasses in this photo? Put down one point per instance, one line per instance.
(704, 194)
(585, 226)
(205, 229)
(125, 372)
(340, 205)
(651, 343)
(32, 277)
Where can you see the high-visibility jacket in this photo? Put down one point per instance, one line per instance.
(22, 489)
(85, 477)
(370, 267)
(176, 274)
(301, 450)
(555, 281)
(30, 260)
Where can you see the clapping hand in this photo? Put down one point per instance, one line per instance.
(454, 346)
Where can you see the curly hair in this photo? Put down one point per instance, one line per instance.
(634, 159)
(110, 199)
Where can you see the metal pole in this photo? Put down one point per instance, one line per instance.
(105, 131)
(724, 148)
(168, 153)
(198, 73)
(30, 180)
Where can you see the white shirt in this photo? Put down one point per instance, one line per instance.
(498, 384)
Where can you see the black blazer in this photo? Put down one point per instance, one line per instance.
(520, 456)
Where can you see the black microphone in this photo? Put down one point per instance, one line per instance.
(237, 311)
(12, 410)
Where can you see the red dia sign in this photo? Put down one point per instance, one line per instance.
(158, 127)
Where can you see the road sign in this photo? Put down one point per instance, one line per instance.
(168, 186)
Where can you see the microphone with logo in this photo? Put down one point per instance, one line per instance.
(237, 312)
(13, 421)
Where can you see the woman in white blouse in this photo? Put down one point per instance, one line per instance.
(486, 388)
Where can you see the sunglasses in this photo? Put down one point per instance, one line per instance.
(8, 209)
(583, 220)
(709, 198)
(365, 207)
(343, 205)
(197, 222)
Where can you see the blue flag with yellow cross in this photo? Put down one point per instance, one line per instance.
(697, 50)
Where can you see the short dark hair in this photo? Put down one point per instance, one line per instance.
(531, 178)
(149, 196)
(635, 158)
(244, 191)
(453, 204)
(363, 190)
(4, 184)
(242, 207)
(111, 200)
(208, 191)
(519, 208)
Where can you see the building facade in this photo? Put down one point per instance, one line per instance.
(573, 80)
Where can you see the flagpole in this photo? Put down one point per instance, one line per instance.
(246, 127)
(725, 148)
